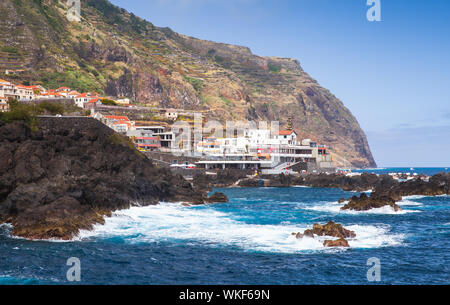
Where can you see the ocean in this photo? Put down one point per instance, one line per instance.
(246, 241)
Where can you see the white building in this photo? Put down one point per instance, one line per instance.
(171, 114)
(24, 93)
(256, 145)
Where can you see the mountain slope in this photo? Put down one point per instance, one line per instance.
(115, 52)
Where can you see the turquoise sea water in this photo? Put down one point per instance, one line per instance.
(245, 241)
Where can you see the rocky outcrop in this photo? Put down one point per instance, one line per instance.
(336, 243)
(271, 181)
(330, 229)
(359, 183)
(72, 172)
(217, 198)
(365, 203)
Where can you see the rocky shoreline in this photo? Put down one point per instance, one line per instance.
(71, 173)
(386, 190)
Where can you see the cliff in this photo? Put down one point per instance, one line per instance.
(117, 53)
(71, 172)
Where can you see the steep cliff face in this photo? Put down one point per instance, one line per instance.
(115, 52)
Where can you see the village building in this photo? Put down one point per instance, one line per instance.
(7, 89)
(24, 93)
(63, 90)
(37, 89)
(87, 100)
(171, 114)
(72, 94)
(120, 124)
(50, 95)
(123, 101)
(4, 106)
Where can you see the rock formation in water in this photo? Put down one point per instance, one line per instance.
(330, 229)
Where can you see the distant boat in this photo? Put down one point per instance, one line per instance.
(411, 168)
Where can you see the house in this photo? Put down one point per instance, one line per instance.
(147, 143)
(50, 95)
(24, 93)
(171, 114)
(72, 94)
(4, 106)
(37, 89)
(63, 90)
(123, 101)
(92, 103)
(120, 124)
(7, 89)
(287, 137)
(81, 99)
(145, 131)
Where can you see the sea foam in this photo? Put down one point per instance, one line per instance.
(335, 207)
(204, 225)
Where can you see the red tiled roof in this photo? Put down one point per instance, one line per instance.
(51, 93)
(117, 117)
(285, 132)
(82, 95)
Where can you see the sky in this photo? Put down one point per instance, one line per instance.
(394, 75)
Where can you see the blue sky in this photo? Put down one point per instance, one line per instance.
(393, 75)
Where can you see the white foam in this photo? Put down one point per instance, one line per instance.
(335, 207)
(409, 203)
(414, 197)
(173, 222)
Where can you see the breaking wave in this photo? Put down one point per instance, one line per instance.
(204, 225)
(335, 207)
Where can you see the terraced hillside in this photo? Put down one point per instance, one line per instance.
(117, 53)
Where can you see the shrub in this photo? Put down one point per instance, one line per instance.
(195, 82)
(274, 68)
(9, 49)
(52, 108)
(108, 102)
(20, 112)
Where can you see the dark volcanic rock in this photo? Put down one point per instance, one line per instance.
(222, 178)
(342, 242)
(364, 202)
(73, 171)
(330, 229)
(359, 183)
(217, 198)
(271, 181)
